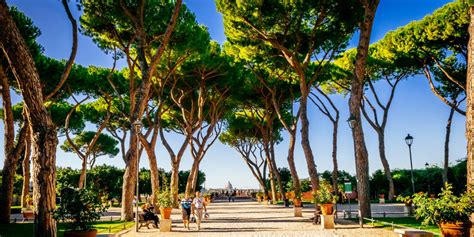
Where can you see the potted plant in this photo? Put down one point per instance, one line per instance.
(407, 200)
(259, 196)
(382, 198)
(450, 212)
(325, 198)
(297, 199)
(80, 210)
(207, 197)
(165, 200)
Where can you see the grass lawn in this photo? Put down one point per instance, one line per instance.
(26, 229)
(409, 222)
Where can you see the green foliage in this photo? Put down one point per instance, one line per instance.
(325, 194)
(448, 208)
(80, 209)
(105, 144)
(165, 197)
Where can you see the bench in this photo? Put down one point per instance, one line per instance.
(412, 233)
(28, 215)
(143, 222)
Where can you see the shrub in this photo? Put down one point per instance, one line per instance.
(79, 209)
(448, 208)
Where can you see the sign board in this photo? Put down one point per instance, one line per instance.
(348, 187)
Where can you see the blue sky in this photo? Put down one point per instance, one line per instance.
(415, 109)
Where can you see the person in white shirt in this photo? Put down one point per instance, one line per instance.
(197, 208)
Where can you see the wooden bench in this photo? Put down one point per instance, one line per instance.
(143, 222)
(28, 215)
(412, 233)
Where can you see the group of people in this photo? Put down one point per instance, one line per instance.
(193, 207)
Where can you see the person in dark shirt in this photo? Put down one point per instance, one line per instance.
(149, 215)
(186, 209)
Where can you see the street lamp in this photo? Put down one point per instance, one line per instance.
(138, 130)
(351, 121)
(409, 141)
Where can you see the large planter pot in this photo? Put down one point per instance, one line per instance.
(259, 199)
(297, 202)
(453, 229)
(165, 212)
(86, 233)
(326, 209)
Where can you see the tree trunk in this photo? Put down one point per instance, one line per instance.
(272, 180)
(195, 178)
(174, 184)
(446, 146)
(82, 177)
(129, 180)
(470, 108)
(9, 164)
(25, 190)
(277, 174)
(357, 84)
(334, 155)
(190, 185)
(386, 166)
(291, 163)
(313, 173)
(154, 173)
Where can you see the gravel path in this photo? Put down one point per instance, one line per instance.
(248, 218)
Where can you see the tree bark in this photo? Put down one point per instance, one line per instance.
(190, 184)
(82, 176)
(291, 163)
(313, 173)
(277, 174)
(25, 190)
(357, 84)
(446, 146)
(334, 155)
(386, 166)
(129, 179)
(174, 184)
(470, 108)
(271, 177)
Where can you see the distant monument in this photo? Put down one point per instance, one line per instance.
(228, 186)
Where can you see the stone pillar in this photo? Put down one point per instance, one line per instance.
(298, 211)
(165, 225)
(327, 221)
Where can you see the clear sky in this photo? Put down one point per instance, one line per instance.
(415, 109)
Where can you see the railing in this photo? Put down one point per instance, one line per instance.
(392, 225)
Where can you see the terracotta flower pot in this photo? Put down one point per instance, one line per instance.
(326, 209)
(85, 233)
(165, 212)
(259, 199)
(297, 202)
(452, 229)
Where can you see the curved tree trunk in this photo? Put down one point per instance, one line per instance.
(357, 84)
(82, 177)
(174, 188)
(334, 155)
(25, 190)
(191, 184)
(386, 166)
(277, 174)
(291, 163)
(272, 180)
(313, 173)
(155, 177)
(129, 180)
(446, 146)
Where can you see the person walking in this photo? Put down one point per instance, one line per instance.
(197, 208)
(186, 210)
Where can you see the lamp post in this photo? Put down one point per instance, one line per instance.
(351, 121)
(138, 129)
(409, 141)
